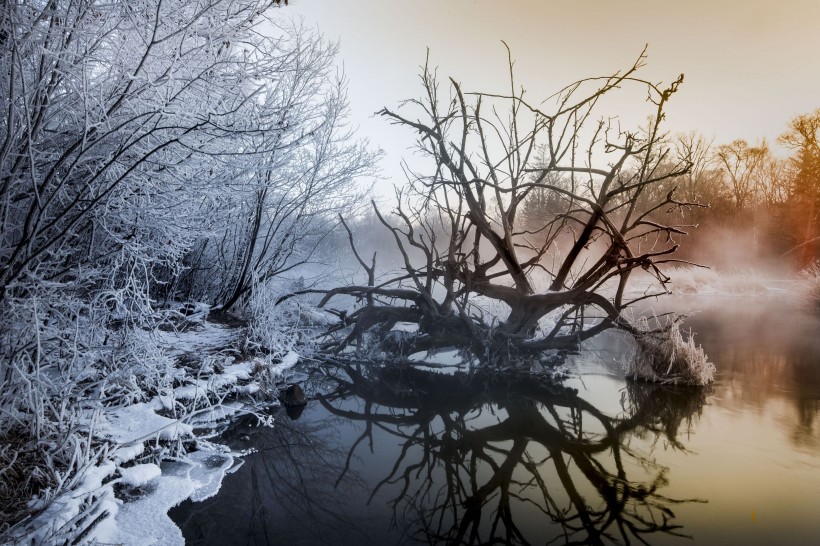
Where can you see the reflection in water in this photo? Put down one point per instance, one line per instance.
(765, 350)
(289, 482)
(480, 453)
(478, 458)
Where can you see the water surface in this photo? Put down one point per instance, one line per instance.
(402, 456)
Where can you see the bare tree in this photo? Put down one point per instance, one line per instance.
(803, 136)
(461, 234)
(743, 166)
(702, 183)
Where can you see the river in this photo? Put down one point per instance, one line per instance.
(394, 457)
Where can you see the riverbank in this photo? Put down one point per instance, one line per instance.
(149, 451)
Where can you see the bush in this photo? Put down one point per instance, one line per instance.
(698, 280)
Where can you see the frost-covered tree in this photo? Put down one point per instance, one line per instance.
(287, 185)
(129, 124)
(146, 146)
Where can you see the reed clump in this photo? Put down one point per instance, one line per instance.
(663, 354)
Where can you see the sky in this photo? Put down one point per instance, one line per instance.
(750, 65)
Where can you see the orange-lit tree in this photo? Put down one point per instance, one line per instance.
(803, 136)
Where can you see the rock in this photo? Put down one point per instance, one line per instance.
(294, 412)
(293, 396)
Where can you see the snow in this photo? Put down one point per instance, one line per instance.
(198, 388)
(139, 475)
(221, 412)
(250, 388)
(57, 514)
(137, 423)
(208, 470)
(242, 371)
(197, 476)
(142, 521)
(197, 340)
(411, 327)
(288, 361)
(145, 521)
(128, 453)
(191, 392)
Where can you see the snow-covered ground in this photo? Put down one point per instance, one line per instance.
(122, 499)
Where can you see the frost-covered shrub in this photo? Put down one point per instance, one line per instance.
(68, 353)
(663, 355)
(810, 279)
(50, 346)
(275, 328)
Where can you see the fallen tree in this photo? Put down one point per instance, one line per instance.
(479, 274)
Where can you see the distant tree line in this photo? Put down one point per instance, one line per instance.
(746, 188)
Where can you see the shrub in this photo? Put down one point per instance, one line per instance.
(698, 280)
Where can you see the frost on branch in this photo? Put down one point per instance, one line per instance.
(151, 153)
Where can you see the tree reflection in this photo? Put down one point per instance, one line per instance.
(767, 353)
(515, 458)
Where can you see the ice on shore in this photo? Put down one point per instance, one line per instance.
(144, 521)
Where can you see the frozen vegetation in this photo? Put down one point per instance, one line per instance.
(158, 159)
(148, 451)
(710, 281)
(664, 355)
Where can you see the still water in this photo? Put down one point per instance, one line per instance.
(387, 457)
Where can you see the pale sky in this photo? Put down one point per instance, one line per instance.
(750, 65)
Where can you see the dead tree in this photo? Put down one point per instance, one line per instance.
(464, 245)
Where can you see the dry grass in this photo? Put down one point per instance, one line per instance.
(22, 475)
(664, 355)
(57, 377)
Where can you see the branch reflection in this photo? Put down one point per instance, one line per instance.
(513, 458)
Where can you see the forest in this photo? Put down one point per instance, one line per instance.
(167, 165)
